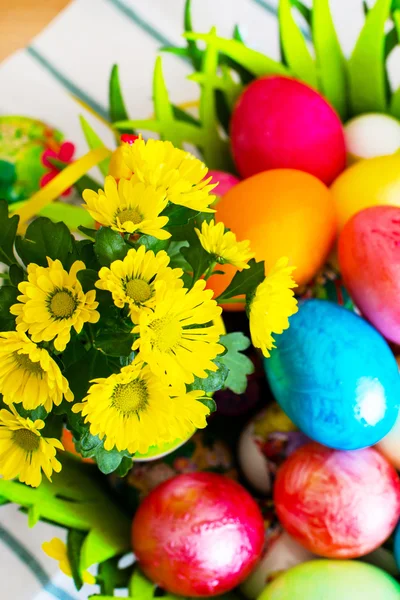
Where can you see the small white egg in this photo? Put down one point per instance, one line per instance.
(252, 461)
(371, 135)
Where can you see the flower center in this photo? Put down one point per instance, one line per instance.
(26, 439)
(24, 362)
(138, 290)
(167, 333)
(130, 214)
(62, 304)
(130, 397)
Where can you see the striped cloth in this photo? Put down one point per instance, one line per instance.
(71, 59)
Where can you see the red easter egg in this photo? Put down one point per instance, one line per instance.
(198, 534)
(279, 122)
(369, 257)
(338, 504)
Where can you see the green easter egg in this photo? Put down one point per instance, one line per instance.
(332, 580)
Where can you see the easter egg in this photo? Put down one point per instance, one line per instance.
(23, 143)
(371, 135)
(264, 444)
(198, 534)
(335, 503)
(332, 580)
(225, 181)
(281, 552)
(369, 257)
(282, 212)
(366, 183)
(397, 547)
(279, 122)
(335, 377)
(203, 452)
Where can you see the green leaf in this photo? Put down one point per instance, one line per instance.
(44, 239)
(93, 141)
(152, 243)
(246, 281)
(8, 297)
(178, 216)
(331, 64)
(257, 63)
(215, 380)
(87, 183)
(109, 246)
(210, 403)
(367, 71)
(74, 352)
(53, 426)
(239, 364)
(114, 344)
(77, 500)
(294, 46)
(140, 586)
(8, 231)
(108, 460)
(124, 467)
(87, 279)
(16, 274)
(90, 233)
(117, 105)
(110, 577)
(85, 252)
(197, 258)
(79, 378)
(75, 541)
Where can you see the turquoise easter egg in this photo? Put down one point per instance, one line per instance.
(332, 580)
(335, 377)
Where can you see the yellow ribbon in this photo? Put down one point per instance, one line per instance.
(60, 183)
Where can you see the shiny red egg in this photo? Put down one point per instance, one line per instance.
(281, 123)
(335, 503)
(198, 534)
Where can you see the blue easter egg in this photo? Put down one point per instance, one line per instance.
(335, 377)
(397, 546)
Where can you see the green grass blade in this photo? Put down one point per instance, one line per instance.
(367, 72)
(117, 108)
(294, 46)
(257, 63)
(93, 141)
(193, 51)
(331, 64)
(395, 100)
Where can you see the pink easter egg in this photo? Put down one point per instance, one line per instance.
(225, 181)
(198, 534)
(335, 503)
(279, 122)
(369, 257)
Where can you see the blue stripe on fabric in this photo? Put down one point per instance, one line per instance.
(67, 83)
(27, 558)
(142, 23)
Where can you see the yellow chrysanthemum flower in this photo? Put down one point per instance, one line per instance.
(53, 302)
(176, 173)
(56, 549)
(177, 340)
(24, 453)
(132, 280)
(128, 207)
(134, 410)
(272, 305)
(29, 375)
(223, 246)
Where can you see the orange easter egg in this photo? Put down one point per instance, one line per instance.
(283, 212)
(366, 183)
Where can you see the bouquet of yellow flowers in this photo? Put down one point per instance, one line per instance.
(116, 336)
